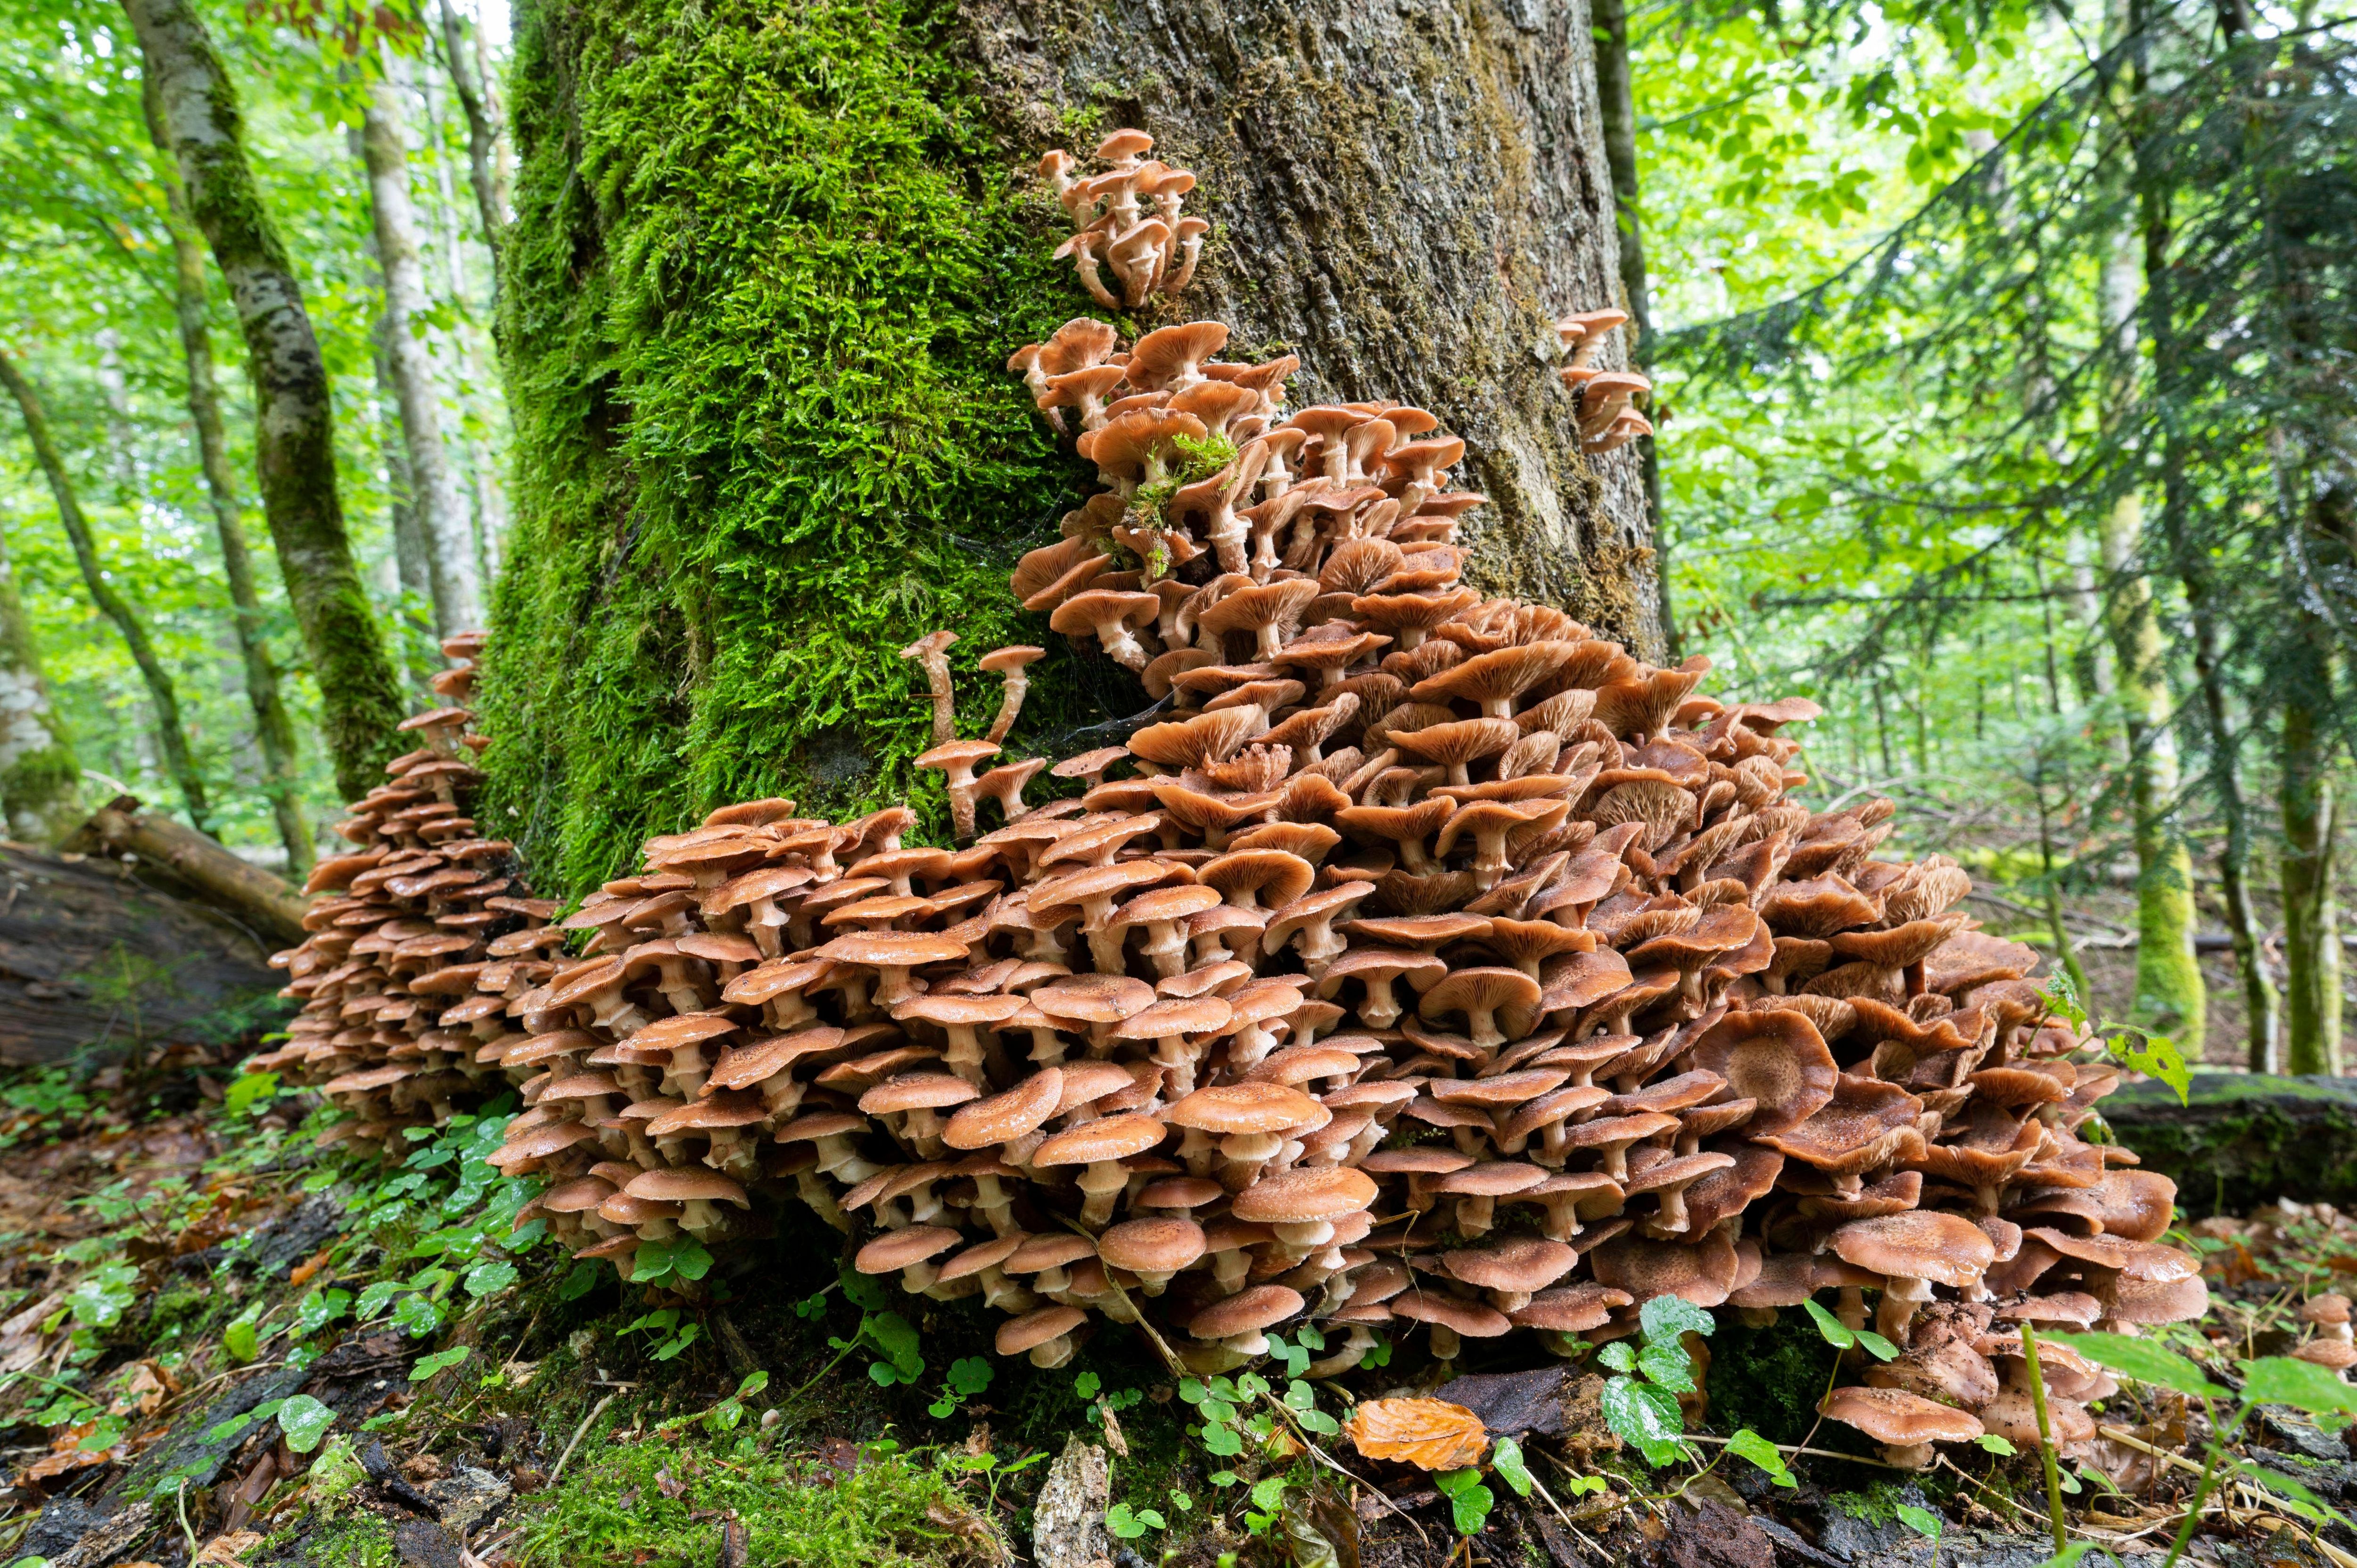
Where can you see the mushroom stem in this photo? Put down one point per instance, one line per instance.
(933, 650)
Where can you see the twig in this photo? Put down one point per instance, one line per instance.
(1329, 1462)
(595, 1411)
(2131, 1440)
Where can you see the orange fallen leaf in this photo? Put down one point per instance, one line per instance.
(308, 1267)
(1431, 1435)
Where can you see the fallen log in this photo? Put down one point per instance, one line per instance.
(185, 861)
(95, 963)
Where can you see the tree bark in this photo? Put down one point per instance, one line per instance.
(274, 728)
(40, 781)
(485, 169)
(2311, 929)
(413, 580)
(441, 511)
(2170, 997)
(1406, 196)
(170, 732)
(294, 418)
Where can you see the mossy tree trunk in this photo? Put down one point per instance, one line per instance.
(763, 276)
(360, 700)
(274, 727)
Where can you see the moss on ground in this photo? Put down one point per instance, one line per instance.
(767, 269)
(1769, 1379)
(664, 1503)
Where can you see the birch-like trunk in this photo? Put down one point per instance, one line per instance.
(441, 509)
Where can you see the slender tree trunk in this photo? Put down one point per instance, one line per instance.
(485, 168)
(40, 781)
(294, 416)
(412, 634)
(2311, 929)
(2261, 1003)
(274, 728)
(2170, 997)
(1616, 101)
(441, 511)
(170, 733)
(474, 372)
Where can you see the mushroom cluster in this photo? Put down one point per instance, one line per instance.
(1607, 418)
(419, 937)
(1127, 221)
(1432, 961)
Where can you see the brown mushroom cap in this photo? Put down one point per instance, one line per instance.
(1521, 1263)
(1162, 1244)
(1306, 1196)
(1252, 1106)
(1922, 1244)
(1897, 1419)
(1246, 1312)
(687, 1186)
(1107, 1138)
(1777, 1058)
(1023, 1109)
(1017, 1334)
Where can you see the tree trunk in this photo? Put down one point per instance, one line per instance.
(294, 420)
(170, 731)
(273, 729)
(764, 436)
(2311, 931)
(1616, 97)
(413, 636)
(483, 165)
(40, 781)
(1405, 197)
(2170, 997)
(441, 511)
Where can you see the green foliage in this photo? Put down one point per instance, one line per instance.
(767, 270)
(1841, 1336)
(1748, 1444)
(1640, 1402)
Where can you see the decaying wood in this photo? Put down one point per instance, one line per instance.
(199, 868)
(94, 962)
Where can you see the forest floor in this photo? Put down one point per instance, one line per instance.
(219, 1346)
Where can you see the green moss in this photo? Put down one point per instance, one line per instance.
(363, 1541)
(767, 269)
(1769, 1379)
(885, 1509)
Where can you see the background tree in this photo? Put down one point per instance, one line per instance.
(295, 452)
(170, 731)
